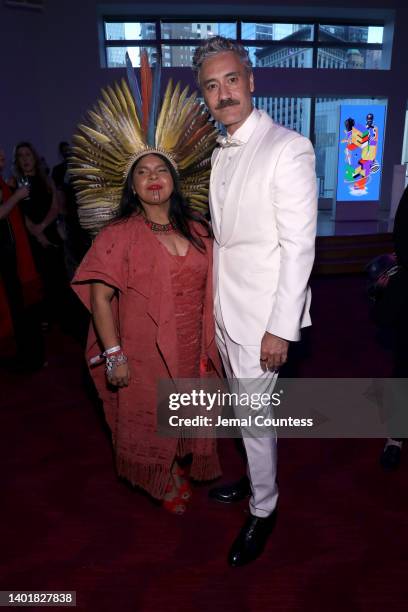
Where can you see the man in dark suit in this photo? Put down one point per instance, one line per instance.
(391, 455)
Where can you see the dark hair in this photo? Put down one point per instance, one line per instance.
(62, 146)
(39, 167)
(180, 212)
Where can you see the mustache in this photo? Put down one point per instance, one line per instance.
(225, 103)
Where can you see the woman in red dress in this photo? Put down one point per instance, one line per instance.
(147, 281)
(40, 211)
(20, 285)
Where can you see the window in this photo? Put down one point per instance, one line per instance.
(116, 55)
(277, 31)
(293, 113)
(277, 57)
(350, 46)
(130, 31)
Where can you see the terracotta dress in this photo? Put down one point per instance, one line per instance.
(163, 313)
(188, 281)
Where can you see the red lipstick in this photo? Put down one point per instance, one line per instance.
(154, 187)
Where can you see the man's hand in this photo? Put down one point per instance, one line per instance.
(119, 377)
(274, 352)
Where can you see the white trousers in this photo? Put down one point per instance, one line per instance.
(242, 362)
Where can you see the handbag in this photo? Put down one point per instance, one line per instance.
(379, 271)
(387, 289)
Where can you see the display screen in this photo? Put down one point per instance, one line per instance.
(361, 137)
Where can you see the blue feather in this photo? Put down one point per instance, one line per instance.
(134, 85)
(154, 104)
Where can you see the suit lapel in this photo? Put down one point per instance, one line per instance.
(236, 188)
(215, 210)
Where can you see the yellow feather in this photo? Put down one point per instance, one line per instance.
(93, 134)
(163, 115)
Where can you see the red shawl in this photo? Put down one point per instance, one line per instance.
(128, 257)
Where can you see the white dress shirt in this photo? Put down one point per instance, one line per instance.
(228, 158)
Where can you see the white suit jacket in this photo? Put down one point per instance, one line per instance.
(264, 247)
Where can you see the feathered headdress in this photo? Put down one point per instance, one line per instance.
(127, 124)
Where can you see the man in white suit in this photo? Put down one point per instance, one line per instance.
(263, 208)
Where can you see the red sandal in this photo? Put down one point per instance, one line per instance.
(176, 504)
(184, 491)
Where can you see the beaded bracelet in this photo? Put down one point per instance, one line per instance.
(112, 356)
(114, 360)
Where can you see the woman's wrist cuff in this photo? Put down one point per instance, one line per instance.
(111, 350)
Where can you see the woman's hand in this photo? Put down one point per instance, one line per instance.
(22, 193)
(35, 229)
(7, 207)
(119, 376)
(101, 296)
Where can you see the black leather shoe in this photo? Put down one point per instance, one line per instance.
(234, 492)
(390, 457)
(251, 540)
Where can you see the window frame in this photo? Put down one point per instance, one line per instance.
(315, 44)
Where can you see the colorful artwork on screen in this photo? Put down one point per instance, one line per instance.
(360, 152)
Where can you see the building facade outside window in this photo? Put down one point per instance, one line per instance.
(274, 45)
(270, 45)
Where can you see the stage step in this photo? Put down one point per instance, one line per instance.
(349, 254)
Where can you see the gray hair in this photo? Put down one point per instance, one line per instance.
(215, 45)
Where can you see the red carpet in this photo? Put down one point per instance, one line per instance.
(340, 542)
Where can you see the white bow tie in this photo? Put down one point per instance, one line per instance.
(229, 141)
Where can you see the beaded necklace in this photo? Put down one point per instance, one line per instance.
(162, 228)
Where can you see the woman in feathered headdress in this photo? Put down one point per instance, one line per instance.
(147, 277)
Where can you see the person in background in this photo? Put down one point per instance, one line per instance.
(76, 241)
(59, 171)
(20, 285)
(40, 212)
(391, 455)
